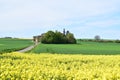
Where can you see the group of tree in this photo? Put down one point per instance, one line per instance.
(98, 39)
(57, 37)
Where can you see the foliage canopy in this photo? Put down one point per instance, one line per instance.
(58, 38)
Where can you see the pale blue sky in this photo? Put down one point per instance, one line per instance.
(84, 18)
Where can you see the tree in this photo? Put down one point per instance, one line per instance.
(58, 38)
(97, 38)
(70, 38)
(48, 37)
(117, 41)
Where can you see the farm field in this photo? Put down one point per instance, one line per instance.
(8, 45)
(46, 66)
(82, 47)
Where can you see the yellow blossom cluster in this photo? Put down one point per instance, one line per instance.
(46, 66)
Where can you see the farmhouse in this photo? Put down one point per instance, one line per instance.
(36, 39)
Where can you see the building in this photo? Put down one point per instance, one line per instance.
(36, 39)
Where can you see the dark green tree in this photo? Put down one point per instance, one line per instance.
(70, 38)
(58, 38)
(48, 37)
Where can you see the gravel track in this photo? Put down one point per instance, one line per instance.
(28, 48)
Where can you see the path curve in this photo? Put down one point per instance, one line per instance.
(28, 48)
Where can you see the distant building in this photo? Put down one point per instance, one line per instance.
(36, 39)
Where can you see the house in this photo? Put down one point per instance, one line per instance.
(36, 39)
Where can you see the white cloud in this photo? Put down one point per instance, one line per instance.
(106, 23)
(58, 9)
(42, 14)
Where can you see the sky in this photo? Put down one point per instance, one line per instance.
(84, 18)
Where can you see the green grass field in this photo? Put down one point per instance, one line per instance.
(95, 48)
(8, 45)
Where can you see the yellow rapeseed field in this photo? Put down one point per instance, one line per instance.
(46, 66)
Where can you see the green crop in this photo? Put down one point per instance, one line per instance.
(96, 48)
(9, 45)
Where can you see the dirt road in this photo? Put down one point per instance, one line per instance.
(27, 49)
